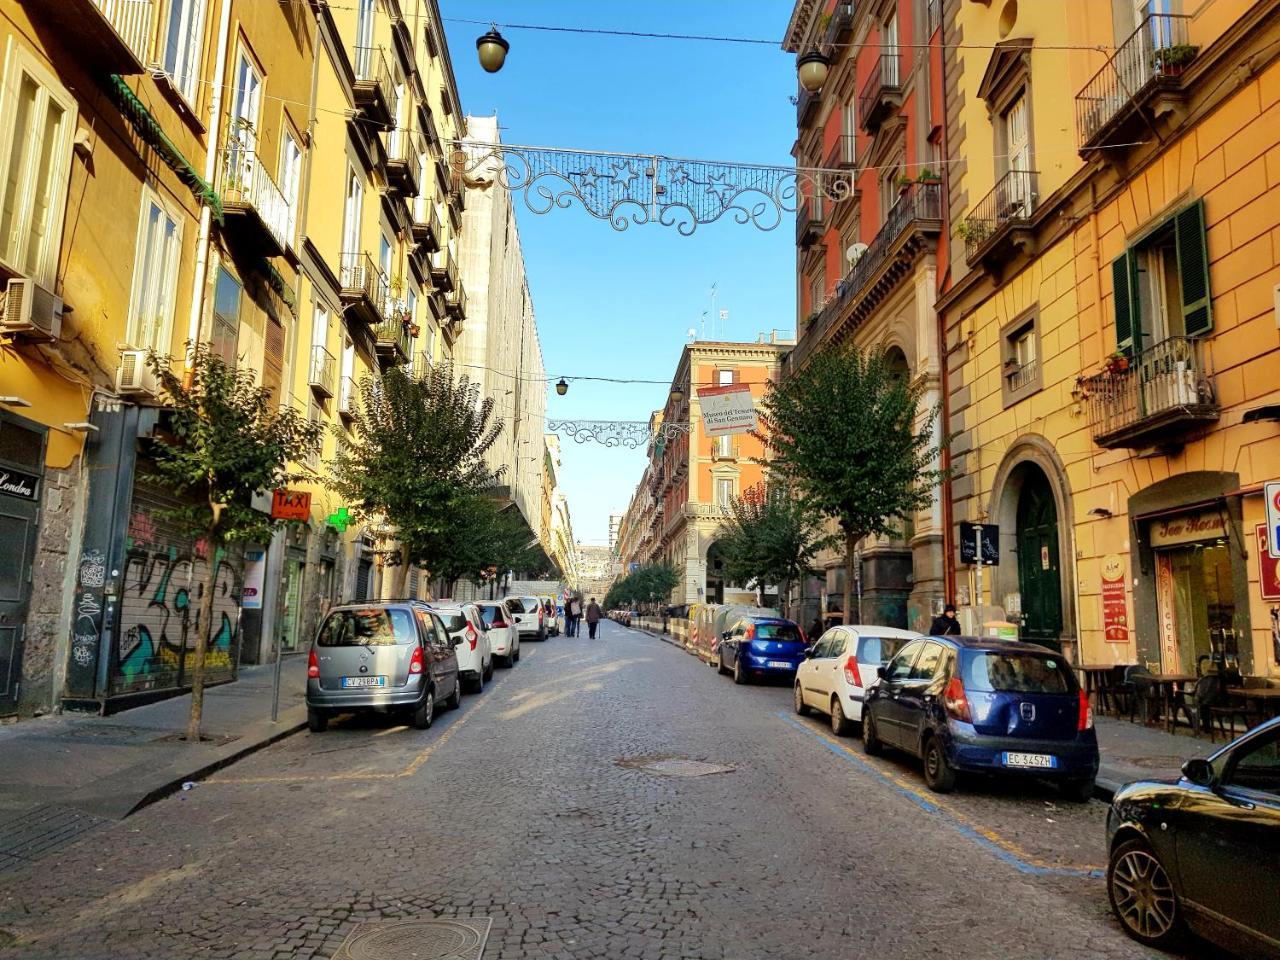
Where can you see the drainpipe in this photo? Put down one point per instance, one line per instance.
(948, 518)
(210, 173)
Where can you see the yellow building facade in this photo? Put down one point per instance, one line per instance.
(1111, 328)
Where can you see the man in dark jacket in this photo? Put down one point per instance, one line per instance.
(594, 615)
(946, 624)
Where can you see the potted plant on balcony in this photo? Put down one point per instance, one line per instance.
(1117, 362)
(1171, 61)
(973, 232)
(929, 175)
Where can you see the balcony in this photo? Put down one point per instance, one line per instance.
(455, 303)
(444, 272)
(394, 345)
(110, 36)
(1153, 400)
(911, 228)
(1000, 224)
(808, 225)
(841, 154)
(363, 289)
(807, 108)
(348, 396)
(373, 86)
(421, 365)
(882, 93)
(323, 370)
(1141, 81)
(257, 214)
(840, 26)
(404, 147)
(426, 226)
(457, 202)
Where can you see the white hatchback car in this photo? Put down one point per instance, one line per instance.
(475, 659)
(838, 669)
(504, 639)
(527, 615)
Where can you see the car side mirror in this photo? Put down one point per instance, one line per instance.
(726, 635)
(457, 641)
(880, 672)
(1200, 772)
(808, 653)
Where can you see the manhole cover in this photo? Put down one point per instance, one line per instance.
(417, 940)
(1155, 763)
(674, 766)
(206, 739)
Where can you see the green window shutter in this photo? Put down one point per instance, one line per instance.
(1121, 278)
(1193, 270)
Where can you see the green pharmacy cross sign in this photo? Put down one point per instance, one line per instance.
(340, 519)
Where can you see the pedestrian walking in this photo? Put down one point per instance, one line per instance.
(572, 614)
(594, 613)
(945, 624)
(815, 630)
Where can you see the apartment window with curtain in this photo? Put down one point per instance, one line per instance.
(724, 491)
(347, 386)
(722, 447)
(183, 44)
(155, 276)
(291, 180)
(226, 316)
(35, 150)
(849, 127)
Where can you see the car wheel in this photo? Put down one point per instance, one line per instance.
(455, 698)
(317, 722)
(739, 676)
(802, 708)
(872, 745)
(720, 667)
(939, 775)
(841, 725)
(425, 713)
(1142, 896)
(515, 657)
(1081, 791)
(488, 674)
(477, 685)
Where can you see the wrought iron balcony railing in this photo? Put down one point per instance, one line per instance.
(456, 302)
(840, 24)
(426, 224)
(808, 224)
(250, 194)
(322, 371)
(444, 271)
(129, 20)
(882, 92)
(1153, 56)
(1153, 398)
(404, 148)
(1006, 209)
(392, 335)
(373, 86)
(348, 396)
(363, 287)
(841, 155)
(807, 107)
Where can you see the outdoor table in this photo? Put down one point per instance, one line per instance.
(1267, 698)
(1170, 689)
(1098, 679)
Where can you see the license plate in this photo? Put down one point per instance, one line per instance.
(364, 681)
(780, 664)
(1044, 761)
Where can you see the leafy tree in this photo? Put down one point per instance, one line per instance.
(496, 539)
(842, 431)
(417, 460)
(229, 442)
(771, 536)
(649, 584)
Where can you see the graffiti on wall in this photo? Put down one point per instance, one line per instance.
(165, 576)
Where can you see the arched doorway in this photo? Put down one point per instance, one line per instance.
(1039, 573)
(715, 575)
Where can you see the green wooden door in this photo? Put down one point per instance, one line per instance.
(1039, 576)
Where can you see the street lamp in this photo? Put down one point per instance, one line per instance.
(813, 68)
(492, 48)
(562, 386)
(677, 395)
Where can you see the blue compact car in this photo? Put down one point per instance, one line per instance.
(978, 705)
(761, 647)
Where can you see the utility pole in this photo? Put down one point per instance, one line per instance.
(977, 533)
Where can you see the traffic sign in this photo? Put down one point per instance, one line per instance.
(973, 533)
(1271, 494)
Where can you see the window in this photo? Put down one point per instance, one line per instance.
(155, 276)
(35, 150)
(889, 189)
(320, 326)
(1017, 134)
(816, 301)
(1161, 284)
(1021, 358)
(900, 668)
(184, 44)
(723, 447)
(890, 51)
(226, 316)
(849, 125)
(353, 205)
(724, 491)
(373, 627)
(291, 180)
(927, 665)
(1256, 766)
(878, 649)
(726, 377)
(1017, 673)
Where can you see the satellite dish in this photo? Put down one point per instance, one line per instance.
(855, 253)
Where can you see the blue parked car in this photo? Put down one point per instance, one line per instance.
(760, 647)
(977, 705)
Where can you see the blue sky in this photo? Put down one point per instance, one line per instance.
(618, 304)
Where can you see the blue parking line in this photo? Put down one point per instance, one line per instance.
(1001, 852)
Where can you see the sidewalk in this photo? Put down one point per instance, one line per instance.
(107, 767)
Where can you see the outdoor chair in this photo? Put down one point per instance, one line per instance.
(1145, 694)
(1117, 691)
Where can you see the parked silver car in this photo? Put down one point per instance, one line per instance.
(383, 657)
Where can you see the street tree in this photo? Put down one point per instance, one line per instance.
(496, 540)
(843, 431)
(224, 441)
(771, 536)
(415, 458)
(646, 585)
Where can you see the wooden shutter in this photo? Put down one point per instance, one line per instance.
(1193, 269)
(1126, 318)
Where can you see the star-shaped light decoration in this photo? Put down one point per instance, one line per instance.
(624, 181)
(678, 175)
(720, 186)
(589, 179)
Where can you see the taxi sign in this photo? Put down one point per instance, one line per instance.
(290, 505)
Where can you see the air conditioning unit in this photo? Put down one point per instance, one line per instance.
(134, 377)
(30, 311)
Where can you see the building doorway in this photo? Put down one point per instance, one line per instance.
(714, 592)
(21, 473)
(1039, 576)
(290, 619)
(1195, 600)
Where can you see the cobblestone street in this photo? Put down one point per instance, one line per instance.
(530, 806)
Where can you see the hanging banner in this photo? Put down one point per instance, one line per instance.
(1115, 607)
(1164, 605)
(255, 572)
(1268, 566)
(727, 410)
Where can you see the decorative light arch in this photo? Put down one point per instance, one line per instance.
(616, 433)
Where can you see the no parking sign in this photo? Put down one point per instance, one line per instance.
(1271, 494)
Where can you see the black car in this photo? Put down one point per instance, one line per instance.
(1203, 853)
(979, 705)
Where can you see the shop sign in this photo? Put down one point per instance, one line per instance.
(290, 505)
(1115, 608)
(986, 535)
(255, 572)
(727, 410)
(18, 484)
(1268, 567)
(1271, 497)
(1164, 605)
(1187, 528)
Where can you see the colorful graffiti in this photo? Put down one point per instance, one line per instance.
(165, 578)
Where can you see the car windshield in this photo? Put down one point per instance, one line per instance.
(454, 620)
(530, 604)
(491, 615)
(878, 649)
(778, 631)
(1017, 673)
(372, 626)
